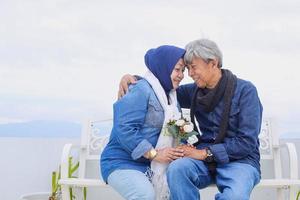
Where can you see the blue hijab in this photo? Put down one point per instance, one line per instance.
(161, 62)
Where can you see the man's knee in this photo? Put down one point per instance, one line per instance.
(229, 194)
(178, 167)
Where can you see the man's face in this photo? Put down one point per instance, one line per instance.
(201, 72)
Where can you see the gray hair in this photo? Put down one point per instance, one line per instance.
(203, 48)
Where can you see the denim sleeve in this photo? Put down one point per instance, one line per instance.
(129, 117)
(141, 149)
(245, 140)
(185, 94)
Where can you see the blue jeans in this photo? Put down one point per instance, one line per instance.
(234, 180)
(131, 184)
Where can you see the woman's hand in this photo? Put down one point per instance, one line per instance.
(168, 154)
(126, 80)
(191, 152)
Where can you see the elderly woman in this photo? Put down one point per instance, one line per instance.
(136, 137)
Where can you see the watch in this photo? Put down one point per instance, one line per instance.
(152, 154)
(209, 156)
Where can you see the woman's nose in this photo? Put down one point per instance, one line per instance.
(181, 75)
(190, 72)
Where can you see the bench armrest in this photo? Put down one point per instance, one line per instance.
(64, 163)
(293, 159)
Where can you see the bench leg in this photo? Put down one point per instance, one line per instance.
(65, 192)
(293, 192)
(280, 194)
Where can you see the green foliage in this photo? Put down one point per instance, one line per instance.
(173, 130)
(71, 170)
(178, 131)
(84, 193)
(56, 188)
(298, 195)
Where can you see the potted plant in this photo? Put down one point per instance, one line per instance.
(56, 188)
(35, 196)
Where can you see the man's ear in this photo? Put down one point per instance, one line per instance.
(214, 63)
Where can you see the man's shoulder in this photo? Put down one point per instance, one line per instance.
(245, 87)
(245, 84)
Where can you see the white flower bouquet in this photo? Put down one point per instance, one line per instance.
(182, 130)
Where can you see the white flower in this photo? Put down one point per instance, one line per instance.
(188, 128)
(176, 116)
(192, 139)
(180, 122)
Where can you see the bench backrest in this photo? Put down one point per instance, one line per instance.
(95, 136)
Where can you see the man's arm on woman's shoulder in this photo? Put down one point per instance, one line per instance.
(126, 80)
(184, 92)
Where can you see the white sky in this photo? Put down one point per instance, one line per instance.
(62, 59)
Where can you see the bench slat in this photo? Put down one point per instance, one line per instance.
(82, 182)
(278, 182)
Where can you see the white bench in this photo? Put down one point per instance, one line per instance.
(93, 142)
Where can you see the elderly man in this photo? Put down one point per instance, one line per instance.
(229, 114)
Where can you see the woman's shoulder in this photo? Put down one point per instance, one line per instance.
(140, 91)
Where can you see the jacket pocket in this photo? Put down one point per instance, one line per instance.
(155, 115)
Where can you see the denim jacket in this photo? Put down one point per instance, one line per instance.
(241, 143)
(138, 119)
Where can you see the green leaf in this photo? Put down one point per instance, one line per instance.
(84, 193)
(71, 193)
(192, 133)
(58, 178)
(54, 187)
(171, 122)
(173, 130)
(69, 167)
(73, 169)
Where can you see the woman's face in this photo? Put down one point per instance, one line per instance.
(177, 73)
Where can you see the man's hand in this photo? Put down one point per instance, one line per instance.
(192, 152)
(168, 154)
(126, 80)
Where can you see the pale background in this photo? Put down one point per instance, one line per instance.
(63, 59)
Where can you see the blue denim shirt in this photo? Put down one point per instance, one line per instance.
(138, 119)
(241, 143)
